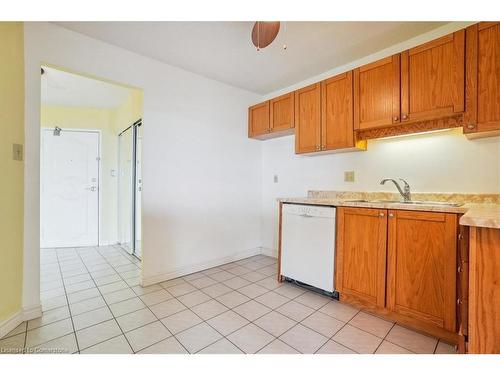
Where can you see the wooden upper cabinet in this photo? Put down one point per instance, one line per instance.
(433, 79)
(337, 120)
(377, 94)
(308, 119)
(282, 112)
(483, 78)
(361, 254)
(258, 120)
(421, 266)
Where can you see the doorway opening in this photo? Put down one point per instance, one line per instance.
(90, 186)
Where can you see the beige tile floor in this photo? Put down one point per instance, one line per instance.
(93, 303)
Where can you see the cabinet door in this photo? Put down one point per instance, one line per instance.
(282, 112)
(361, 254)
(377, 94)
(308, 119)
(421, 266)
(483, 77)
(258, 120)
(337, 112)
(433, 79)
(484, 289)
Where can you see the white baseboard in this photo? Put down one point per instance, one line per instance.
(269, 252)
(32, 312)
(183, 271)
(9, 324)
(108, 243)
(23, 315)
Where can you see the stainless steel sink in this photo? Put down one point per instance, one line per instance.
(427, 203)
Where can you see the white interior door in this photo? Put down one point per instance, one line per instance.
(69, 188)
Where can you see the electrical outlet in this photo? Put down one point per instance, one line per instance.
(275, 178)
(349, 176)
(17, 152)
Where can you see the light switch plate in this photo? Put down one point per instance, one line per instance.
(17, 152)
(275, 178)
(349, 176)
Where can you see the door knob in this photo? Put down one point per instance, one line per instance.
(92, 188)
(471, 126)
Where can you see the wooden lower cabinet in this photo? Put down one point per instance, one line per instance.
(484, 291)
(361, 254)
(421, 266)
(401, 265)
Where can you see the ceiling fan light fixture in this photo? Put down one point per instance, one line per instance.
(264, 33)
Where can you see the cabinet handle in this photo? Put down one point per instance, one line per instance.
(391, 215)
(395, 118)
(405, 117)
(381, 214)
(471, 126)
(317, 147)
(459, 269)
(459, 301)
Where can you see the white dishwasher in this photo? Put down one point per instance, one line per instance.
(308, 244)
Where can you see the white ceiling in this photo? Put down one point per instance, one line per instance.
(66, 89)
(224, 51)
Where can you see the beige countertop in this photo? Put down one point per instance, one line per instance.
(481, 210)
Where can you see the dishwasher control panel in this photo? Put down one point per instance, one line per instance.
(307, 210)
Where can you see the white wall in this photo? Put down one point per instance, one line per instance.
(435, 162)
(202, 176)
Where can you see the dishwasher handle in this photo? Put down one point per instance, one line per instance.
(306, 215)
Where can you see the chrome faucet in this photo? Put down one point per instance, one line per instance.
(405, 192)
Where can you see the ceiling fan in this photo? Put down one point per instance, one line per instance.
(264, 33)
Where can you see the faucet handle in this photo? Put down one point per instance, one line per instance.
(407, 185)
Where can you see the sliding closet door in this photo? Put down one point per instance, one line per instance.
(138, 190)
(125, 190)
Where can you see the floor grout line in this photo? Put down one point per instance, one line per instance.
(111, 311)
(113, 257)
(69, 309)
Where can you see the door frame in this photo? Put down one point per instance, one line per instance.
(99, 171)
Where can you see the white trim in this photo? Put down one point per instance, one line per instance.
(269, 252)
(183, 271)
(32, 312)
(17, 318)
(108, 243)
(9, 324)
